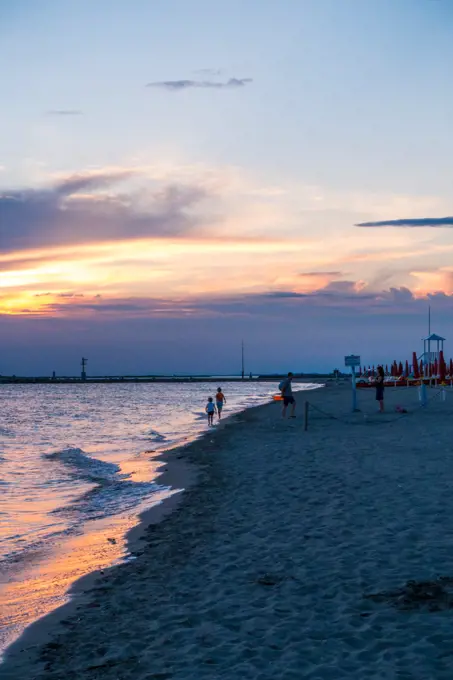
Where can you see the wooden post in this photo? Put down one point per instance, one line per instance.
(306, 416)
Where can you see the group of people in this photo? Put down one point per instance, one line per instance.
(286, 392)
(287, 397)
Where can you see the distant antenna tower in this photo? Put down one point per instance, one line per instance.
(243, 369)
(84, 363)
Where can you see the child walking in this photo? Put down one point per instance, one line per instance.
(210, 410)
(220, 400)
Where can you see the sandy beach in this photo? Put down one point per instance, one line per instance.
(320, 554)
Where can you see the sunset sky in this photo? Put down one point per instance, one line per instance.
(176, 176)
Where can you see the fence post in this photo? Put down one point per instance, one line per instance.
(354, 390)
(306, 416)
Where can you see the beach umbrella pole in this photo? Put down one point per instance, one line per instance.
(422, 394)
(352, 361)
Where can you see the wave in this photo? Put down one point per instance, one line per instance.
(156, 436)
(114, 493)
(109, 499)
(86, 467)
(4, 432)
(23, 545)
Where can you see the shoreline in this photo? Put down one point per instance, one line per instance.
(181, 473)
(287, 558)
(175, 474)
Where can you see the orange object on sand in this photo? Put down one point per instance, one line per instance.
(277, 397)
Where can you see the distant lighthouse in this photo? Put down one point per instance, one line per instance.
(83, 375)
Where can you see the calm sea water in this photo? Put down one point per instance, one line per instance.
(77, 465)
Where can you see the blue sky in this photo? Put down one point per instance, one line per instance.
(208, 202)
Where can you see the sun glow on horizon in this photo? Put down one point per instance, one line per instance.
(228, 235)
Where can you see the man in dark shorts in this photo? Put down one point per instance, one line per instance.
(285, 388)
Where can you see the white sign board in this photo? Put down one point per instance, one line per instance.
(352, 360)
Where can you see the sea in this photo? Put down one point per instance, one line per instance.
(77, 467)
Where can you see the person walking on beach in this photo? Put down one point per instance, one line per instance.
(380, 388)
(210, 410)
(286, 389)
(220, 400)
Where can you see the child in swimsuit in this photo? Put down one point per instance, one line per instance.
(210, 410)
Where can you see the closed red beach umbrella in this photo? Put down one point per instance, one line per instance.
(421, 367)
(386, 369)
(415, 365)
(442, 367)
(400, 368)
(451, 367)
(406, 370)
(436, 367)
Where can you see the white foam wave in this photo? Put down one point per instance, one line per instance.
(112, 494)
(85, 466)
(156, 436)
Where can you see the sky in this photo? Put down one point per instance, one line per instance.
(176, 177)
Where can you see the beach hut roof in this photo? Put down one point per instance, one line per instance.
(433, 336)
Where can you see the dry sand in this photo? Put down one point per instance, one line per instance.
(266, 568)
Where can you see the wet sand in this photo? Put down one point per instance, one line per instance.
(289, 557)
(51, 586)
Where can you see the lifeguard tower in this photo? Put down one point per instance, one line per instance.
(433, 345)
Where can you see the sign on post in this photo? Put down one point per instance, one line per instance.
(352, 361)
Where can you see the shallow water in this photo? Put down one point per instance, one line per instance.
(77, 465)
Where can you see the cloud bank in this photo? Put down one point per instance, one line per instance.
(180, 85)
(337, 297)
(411, 222)
(71, 212)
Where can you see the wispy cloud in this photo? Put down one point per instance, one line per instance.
(180, 85)
(209, 71)
(319, 274)
(64, 112)
(411, 222)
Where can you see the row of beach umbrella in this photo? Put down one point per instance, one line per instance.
(415, 370)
